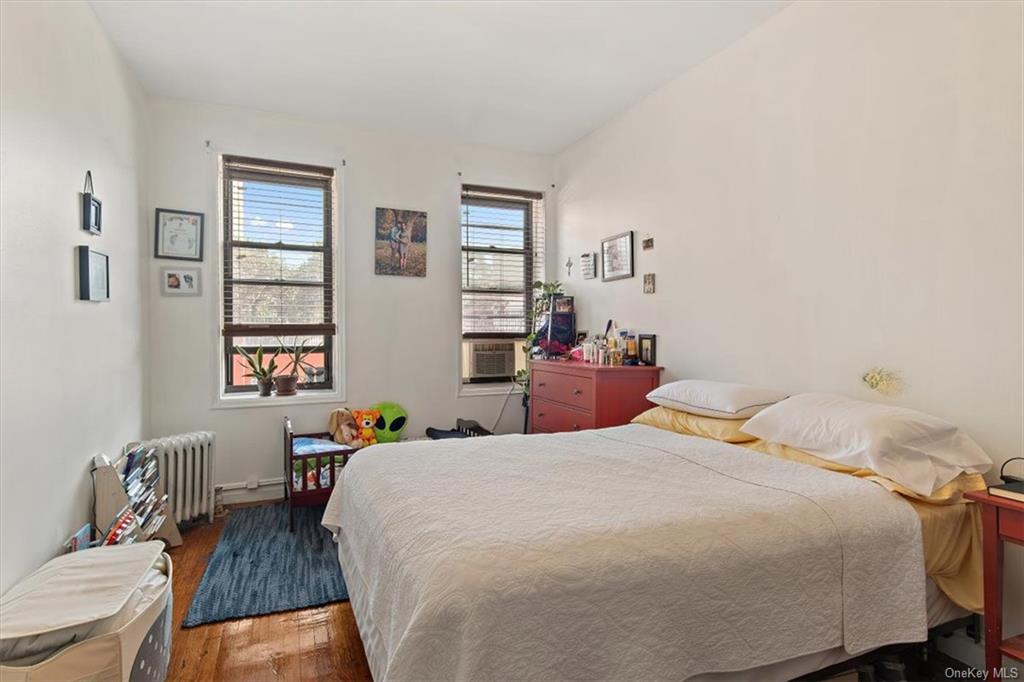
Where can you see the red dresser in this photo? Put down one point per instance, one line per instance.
(571, 396)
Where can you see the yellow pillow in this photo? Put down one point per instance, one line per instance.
(726, 430)
(950, 493)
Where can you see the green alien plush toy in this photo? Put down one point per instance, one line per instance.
(391, 422)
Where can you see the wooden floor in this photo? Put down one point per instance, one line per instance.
(320, 643)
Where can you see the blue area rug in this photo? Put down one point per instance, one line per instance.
(259, 567)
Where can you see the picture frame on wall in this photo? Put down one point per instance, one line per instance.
(92, 208)
(588, 265)
(400, 244)
(179, 235)
(648, 350)
(93, 275)
(176, 282)
(649, 283)
(92, 213)
(617, 257)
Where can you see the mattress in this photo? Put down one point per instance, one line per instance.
(617, 552)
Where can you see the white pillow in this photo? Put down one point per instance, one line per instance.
(714, 398)
(917, 450)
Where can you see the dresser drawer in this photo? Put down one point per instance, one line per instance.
(570, 389)
(1011, 524)
(554, 418)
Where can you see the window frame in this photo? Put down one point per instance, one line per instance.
(327, 179)
(507, 198)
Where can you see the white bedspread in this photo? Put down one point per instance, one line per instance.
(623, 553)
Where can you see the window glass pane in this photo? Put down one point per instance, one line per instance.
(494, 215)
(277, 212)
(493, 313)
(489, 227)
(275, 304)
(492, 237)
(312, 376)
(276, 264)
(502, 271)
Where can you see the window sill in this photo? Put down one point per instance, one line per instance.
(473, 390)
(251, 400)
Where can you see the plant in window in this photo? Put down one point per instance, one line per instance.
(296, 354)
(542, 293)
(263, 374)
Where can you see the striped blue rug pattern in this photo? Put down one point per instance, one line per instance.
(258, 567)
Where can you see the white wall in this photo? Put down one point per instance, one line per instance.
(72, 371)
(839, 189)
(402, 332)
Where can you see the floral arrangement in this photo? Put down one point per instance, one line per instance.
(885, 381)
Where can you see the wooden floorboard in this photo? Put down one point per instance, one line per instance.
(320, 643)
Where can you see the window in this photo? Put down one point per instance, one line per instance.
(278, 266)
(502, 255)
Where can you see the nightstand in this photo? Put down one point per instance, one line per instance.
(573, 396)
(1002, 521)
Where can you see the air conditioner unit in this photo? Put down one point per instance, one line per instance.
(492, 360)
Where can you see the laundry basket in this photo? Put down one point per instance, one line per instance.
(99, 614)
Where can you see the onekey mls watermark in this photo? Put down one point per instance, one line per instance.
(975, 674)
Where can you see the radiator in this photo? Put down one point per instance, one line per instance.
(186, 470)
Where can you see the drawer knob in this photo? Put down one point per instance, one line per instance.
(577, 391)
(539, 415)
(541, 384)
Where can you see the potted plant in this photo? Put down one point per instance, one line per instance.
(542, 293)
(287, 383)
(264, 375)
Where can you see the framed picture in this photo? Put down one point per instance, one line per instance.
(649, 283)
(93, 275)
(401, 243)
(179, 235)
(617, 257)
(647, 243)
(180, 282)
(581, 336)
(588, 265)
(648, 349)
(563, 304)
(92, 213)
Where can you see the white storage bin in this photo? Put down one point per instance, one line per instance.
(99, 614)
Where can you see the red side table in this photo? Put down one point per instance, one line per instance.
(1002, 521)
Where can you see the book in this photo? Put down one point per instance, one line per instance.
(1011, 491)
(82, 539)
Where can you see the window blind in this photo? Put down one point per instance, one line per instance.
(502, 255)
(278, 266)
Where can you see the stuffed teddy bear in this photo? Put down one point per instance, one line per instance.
(365, 421)
(342, 426)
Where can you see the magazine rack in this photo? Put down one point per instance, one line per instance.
(112, 496)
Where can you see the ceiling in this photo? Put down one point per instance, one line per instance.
(534, 76)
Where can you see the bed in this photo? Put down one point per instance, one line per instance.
(623, 553)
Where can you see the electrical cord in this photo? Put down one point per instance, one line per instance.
(504, 404)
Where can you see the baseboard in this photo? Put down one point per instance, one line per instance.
(240, 493)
